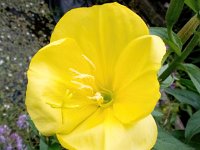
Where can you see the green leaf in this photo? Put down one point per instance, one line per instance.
(168, 81)
(188, 84)
(185, 96)
(193, 4)
(174, 11)
(176, 46)
(187, 108)
(193, 126)
(54, 143)
(195, 142)
(157, 113)
(55, 146)
(194, 73)
(172, 15)
(43, 145)
(31, 124)
(179, 134)
(166, 141)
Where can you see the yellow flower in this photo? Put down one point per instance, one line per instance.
(95, 84)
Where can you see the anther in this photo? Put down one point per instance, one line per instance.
(79, 75)
(97, 98)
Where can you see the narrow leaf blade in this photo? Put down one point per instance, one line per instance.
(194, 73)
(185, 96)
(174, 11)
(193, 4)
(166, 141)
(43, 145)
(193, 126)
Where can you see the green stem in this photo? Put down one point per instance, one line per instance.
(174, 46)
(168, 52)
(169, 31)
(188, 49)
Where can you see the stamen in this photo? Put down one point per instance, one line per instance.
(81, 85)
(97, 97)
(89, 61)
(81, 75)
(61, 107)
(68, 94)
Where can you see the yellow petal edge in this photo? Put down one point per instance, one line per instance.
(102, 131)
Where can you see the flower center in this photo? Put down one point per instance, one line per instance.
(86, 85)
(107, 98)
(103, 99)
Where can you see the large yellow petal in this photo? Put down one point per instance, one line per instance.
(102, 131)
(102, 31)
(50, 100)
(135, 84)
